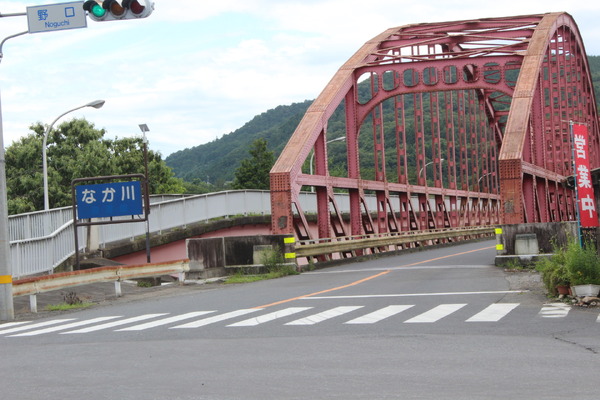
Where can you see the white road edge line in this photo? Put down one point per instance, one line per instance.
(400, 268)
(367, 296)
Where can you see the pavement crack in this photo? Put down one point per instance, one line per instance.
(581, 346)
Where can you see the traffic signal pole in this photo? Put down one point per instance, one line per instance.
(108, 10)
(7, 309)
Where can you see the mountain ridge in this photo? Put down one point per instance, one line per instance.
(215, 162)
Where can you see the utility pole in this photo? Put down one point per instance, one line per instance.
(7, 311)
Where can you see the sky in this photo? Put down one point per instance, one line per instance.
(195, 70)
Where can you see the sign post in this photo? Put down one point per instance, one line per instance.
(584, 189)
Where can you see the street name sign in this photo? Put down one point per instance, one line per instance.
(56, 17)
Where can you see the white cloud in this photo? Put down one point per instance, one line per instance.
(195, 70)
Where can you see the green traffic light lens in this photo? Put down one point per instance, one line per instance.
(98, 11)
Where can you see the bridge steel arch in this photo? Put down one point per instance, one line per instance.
(448, 124)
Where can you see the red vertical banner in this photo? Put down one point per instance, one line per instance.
(585, 190)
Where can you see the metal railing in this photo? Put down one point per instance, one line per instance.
(116, 274)
(387, 241)
(309, 248)
(42, 240)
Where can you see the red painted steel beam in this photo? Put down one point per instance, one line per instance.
(475, 135)
(536, 144)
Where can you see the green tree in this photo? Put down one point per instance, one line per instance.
(253, 172)
(76, 150)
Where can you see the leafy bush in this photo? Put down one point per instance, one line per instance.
(573, 265)
(553, 271)
(274, 262)
(583, 264)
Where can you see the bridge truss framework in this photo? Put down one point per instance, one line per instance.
(449, 124)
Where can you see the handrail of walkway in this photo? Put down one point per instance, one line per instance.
(116, 273)
(312, 248)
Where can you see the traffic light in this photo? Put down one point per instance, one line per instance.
(110, 10)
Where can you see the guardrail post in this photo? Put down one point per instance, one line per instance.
(118, 291)
(289, 251)
(33, 303)
(499, 243)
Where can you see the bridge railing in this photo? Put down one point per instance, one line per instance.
(311, 248)
(42, 240)
(383, 242)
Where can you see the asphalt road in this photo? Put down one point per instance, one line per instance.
(441, 323)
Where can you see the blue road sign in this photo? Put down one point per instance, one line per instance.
(109, 199)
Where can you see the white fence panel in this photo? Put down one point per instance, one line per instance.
(42, 240)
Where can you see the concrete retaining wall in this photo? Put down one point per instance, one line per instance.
(525, 243)
(548, 235)
(210, 257)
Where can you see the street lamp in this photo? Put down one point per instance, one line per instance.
(429, 163)
(312, 156)
(95, 104)
(144, 128)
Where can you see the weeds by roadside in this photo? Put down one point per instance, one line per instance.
(273, 262)
(66, 307)
(72, 301)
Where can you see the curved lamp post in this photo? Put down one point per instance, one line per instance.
(429, 163)
(312, 156)
(95, 104)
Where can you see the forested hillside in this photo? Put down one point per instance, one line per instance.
(595, 67)
(217, 161)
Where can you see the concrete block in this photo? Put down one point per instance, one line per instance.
(526, 244)
(259, 251)
(205, 253)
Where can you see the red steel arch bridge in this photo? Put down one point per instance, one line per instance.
(449, 124)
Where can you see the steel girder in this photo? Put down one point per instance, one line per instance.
(446, 124)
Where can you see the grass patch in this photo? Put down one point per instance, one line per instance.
(275, 264)
(242, 278)
(66, 307)
(72, 302)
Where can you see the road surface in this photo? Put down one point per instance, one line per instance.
(442, 323)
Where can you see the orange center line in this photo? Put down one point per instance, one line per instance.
(327, 290)
(369, 278)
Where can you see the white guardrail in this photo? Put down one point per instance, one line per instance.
(42, 240)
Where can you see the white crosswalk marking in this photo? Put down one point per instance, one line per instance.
(64, 327)
(9, 324)
(164, 321)
(271, 316)
(494, 312)
(325, 315)
(114, 323)
(217, 318)
(34, 326)
(555, 310)
(380, 314)
(436, 313)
